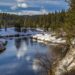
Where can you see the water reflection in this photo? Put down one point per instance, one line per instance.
(20, 57)
(17, 43)
(18, 29)
(21, 47)
(36, 65)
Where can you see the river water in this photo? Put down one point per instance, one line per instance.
(25, 56)
(20, 57)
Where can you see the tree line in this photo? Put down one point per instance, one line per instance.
(52, 20)
(62, 21)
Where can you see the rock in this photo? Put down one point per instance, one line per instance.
(66, 64)
(2, 47)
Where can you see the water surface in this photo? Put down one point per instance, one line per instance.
(20, 56)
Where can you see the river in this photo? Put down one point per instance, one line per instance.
(20, 57)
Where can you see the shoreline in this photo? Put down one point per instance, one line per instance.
(38, 35)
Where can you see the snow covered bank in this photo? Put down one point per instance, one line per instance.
(48, 37)
(38, 34)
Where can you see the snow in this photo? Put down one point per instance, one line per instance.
(48, 37)
(38, 34)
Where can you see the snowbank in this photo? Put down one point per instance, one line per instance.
(38, 34)
(48, 37)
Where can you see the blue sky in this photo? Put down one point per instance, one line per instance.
(32, 6)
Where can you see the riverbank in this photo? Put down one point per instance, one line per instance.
(38, 35)
(46, 37)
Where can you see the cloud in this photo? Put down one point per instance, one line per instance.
(34, 5)
(0, 11)
(30, 12)
(53, 2)
(6, 4)
(20, 0)
(33, 12)
(13, 7)
(19, 5)
(22, 5)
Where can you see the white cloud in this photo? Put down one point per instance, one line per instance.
(20, 0)
(6, 4)
(33, 12)
(34, 5)
(13, 7)
(22, 5)
(30, 12)
(0, 10)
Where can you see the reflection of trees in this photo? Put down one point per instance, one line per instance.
(18, 43)
(24, 30)
(18, 29)
(56, 52)
(44, 63)
(21, 47)
(26, 40)
(31, 42)
(49, 61)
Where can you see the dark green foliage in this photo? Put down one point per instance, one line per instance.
(52, 20)
(69, 25)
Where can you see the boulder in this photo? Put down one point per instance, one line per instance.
(2, 47)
